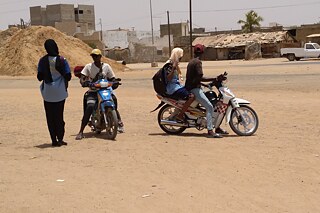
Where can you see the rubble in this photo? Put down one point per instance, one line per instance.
(21, 49)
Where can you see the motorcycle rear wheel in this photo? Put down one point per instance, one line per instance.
(244, 121)
(168, 112)
(111, 123)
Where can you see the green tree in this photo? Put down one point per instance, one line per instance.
(252, 20)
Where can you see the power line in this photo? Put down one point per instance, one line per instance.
(138, 18)
(250, 8)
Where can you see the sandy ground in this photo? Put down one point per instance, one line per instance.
(146, 170)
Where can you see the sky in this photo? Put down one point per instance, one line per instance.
(210, 14)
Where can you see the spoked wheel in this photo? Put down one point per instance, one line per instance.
(168, 113)
(110, 116)
(244, 121)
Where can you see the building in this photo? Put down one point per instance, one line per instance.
(135, 46)
(65, 17)
(176, 29)
(244, 46)
(304, 31)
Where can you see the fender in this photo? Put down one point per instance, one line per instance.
(234, 103)
(107, 104)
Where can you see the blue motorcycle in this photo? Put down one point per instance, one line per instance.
(104, 116)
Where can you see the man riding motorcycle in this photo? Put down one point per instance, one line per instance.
(91, 73)
(194, 77)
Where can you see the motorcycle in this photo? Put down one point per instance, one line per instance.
(242, 119)
(104, 116)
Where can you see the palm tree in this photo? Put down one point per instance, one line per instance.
(252, 20)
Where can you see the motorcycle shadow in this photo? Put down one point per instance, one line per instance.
(199, 135)
(101, 136)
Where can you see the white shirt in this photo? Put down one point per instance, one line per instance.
(91, 70)
(56, 90)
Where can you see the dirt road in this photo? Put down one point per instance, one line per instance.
(146, 170)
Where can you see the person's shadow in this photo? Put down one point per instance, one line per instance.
(45, 146)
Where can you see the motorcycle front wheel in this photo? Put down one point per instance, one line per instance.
(111, 121)
(244, 121)
(168, 113)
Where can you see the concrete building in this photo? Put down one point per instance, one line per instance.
(304, 31)
(245, 46)
(65, 17)
(176, 29)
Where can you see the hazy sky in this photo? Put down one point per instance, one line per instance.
(210, 14)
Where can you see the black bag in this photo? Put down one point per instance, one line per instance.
(159, 79)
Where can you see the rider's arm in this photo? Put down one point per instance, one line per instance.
(170, 74)
(84, 78)
(205, 79)
(107, 70)
(84, 81)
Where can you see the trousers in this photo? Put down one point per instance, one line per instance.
(54, 114)
(203, 100)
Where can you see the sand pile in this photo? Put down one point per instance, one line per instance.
(21, 49)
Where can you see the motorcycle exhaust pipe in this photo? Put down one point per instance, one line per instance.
(172, 123)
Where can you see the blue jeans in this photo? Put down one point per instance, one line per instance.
(203, 100)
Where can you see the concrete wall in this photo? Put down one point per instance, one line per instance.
(177, 29)
(92, 40)
(68, 27)
(59, 13)
(116, 38)
(35, 15)
(305, 30)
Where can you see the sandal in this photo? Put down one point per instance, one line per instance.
(221, 131)
(212, 134)
(79, 136)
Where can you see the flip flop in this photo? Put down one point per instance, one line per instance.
(79, 136)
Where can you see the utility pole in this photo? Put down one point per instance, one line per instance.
(100, 29)
(153, 64)
(169, 32)
(191, 52)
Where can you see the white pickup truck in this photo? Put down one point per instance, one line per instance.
(310, 50)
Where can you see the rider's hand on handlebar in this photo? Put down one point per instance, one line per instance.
(221, 77)
(86, 84)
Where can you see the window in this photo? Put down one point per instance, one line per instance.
(76, 11)
(309, 47)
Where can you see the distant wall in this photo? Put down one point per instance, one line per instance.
(305, 30)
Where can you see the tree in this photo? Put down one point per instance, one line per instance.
(252, 20)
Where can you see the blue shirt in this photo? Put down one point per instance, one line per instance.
(56, 90)
(174, 84)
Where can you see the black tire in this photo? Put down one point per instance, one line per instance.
(291, 57)
(111, 123)
(298, 59)
(246, 124)
(164, 114)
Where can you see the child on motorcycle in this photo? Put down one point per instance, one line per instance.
(91, 73)
(174, 87)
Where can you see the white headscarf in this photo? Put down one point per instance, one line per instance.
(176, 53)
